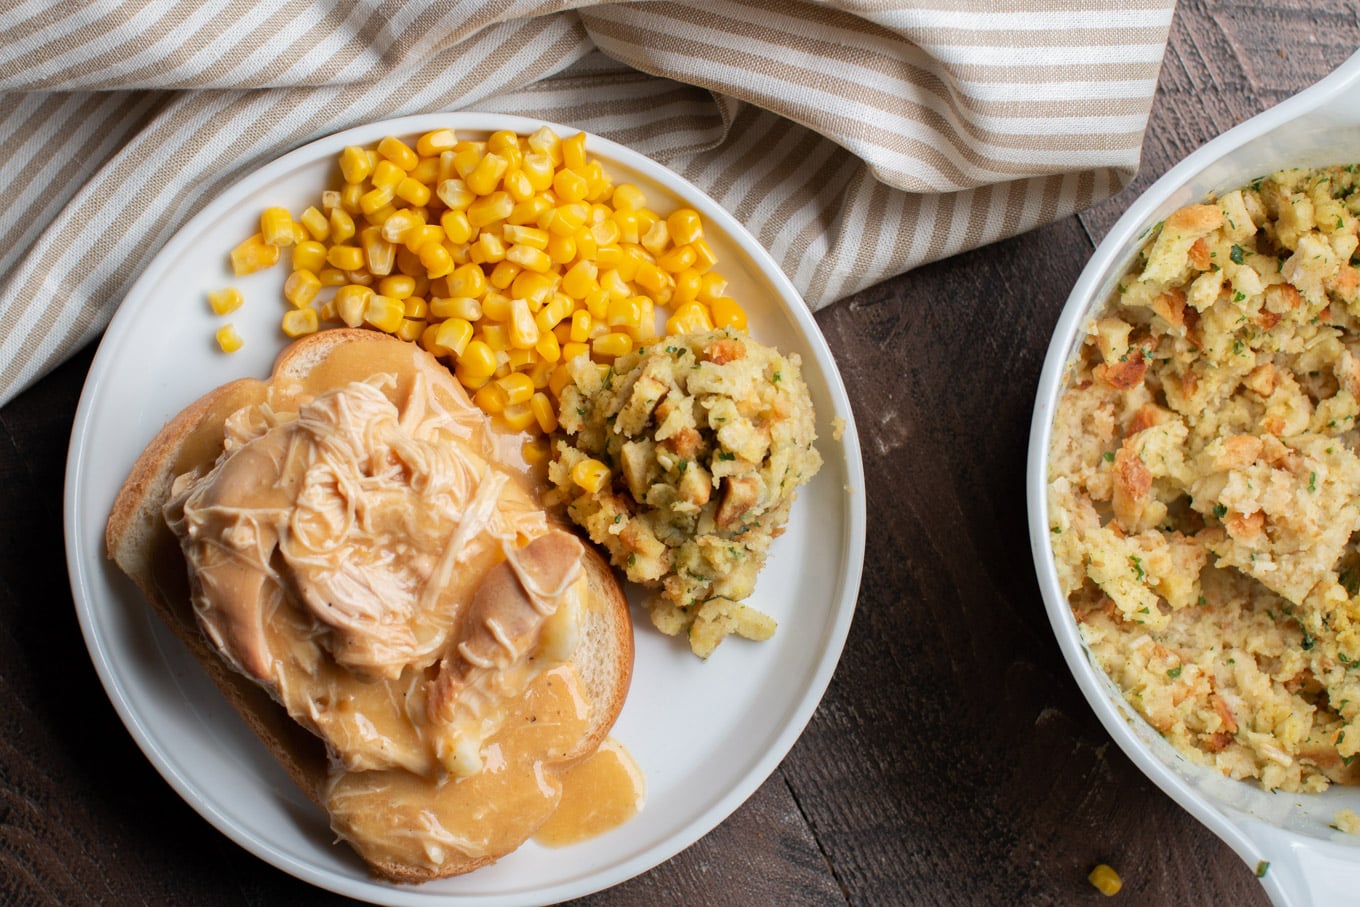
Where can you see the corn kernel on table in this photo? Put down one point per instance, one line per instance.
(953, 760)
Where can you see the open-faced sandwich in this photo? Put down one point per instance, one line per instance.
(353, 555)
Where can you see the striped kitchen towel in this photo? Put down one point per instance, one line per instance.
(855, 138)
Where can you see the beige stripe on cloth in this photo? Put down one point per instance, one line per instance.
(856, 140)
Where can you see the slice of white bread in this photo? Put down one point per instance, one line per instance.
(142, 545)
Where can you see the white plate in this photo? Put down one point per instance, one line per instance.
(706, 734)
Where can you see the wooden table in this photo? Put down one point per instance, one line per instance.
(953, 760)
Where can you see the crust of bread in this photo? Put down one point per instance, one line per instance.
(143, 547)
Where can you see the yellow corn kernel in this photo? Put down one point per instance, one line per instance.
(332, 277)
(521, 235)
(544, 141)
(228, 339)
(341, 225)
(626, 312)
(375, 200)
(413, 191)
(540, 372)
(690, 318)
(427, 171)
(614, 343)
(276, 226)
(355, 165)
(456, 194)
(398, 152)
(565, 220)
(524, 331)
(327, 311)
(562, 249)
(606, 232)
(558, 380)
(518, 387)
(496, 336)
(486, 176)
(432, 143)
(309, 256)
(330, 200)
(677, 259)
(399, 224)
(464, 307)
(469, 381)
(387, 175)
(1106, 880)
(503, 274)
(728, 313)
(652, 278)
(535, 451)
(253, 255)
(447, 170)
(656, 238)
(346, 258)
(580, 326)
(530, 210)
(628, 197)
(573, 349)
(398, 286)
(351, 302)
(597, 303)
(490, 398)
(416, 308)
(574, 151)
(704, 256)
(349, 197)
(517, 185)
(436, 259)
(378, 253)
(591, 475)
(548, 348)
(686, 287)
(478, 359)
(301, 288)
(518, 360)
(518, 417)
(554, 311)
(379, 217)
(614, 284)
(487, 249)
(489, 209)
(456, 226)
(426, 233)
(581, 279)
(711, 286)
(569, 186)
(384, 312)
(538, 170)
(317, 224)
(535, 287)
(408, 262)
(496, 307)
(298, 322)
(685, 226)
(467, 280)
(454, 334)
(545, 414)
(226, 300)
(529, 257)
(410, 329)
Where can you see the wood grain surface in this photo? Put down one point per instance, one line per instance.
(953, 760)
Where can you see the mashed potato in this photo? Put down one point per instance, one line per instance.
(707, 438)
(1205, 488)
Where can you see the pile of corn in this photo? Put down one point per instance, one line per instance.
(506, 258)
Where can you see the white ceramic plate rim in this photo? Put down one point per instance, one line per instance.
(91, 588)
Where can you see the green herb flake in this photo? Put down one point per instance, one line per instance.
(1312, 482)
(1175, 672)
(1137, 564)
(1237, 254)
(1108, 456)
(1220, 511)
(1262, 868)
